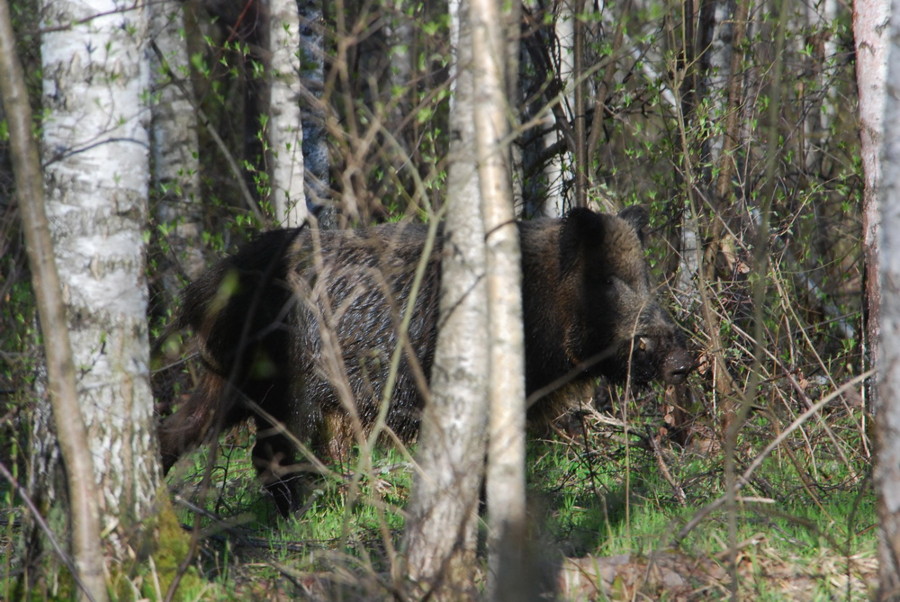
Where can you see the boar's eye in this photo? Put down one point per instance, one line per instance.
(645, 344)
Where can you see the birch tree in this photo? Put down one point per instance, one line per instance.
(878, 113)
(441, 534)
(284, 129)
(822, 50)
(506, 384)
(95, 84)
(550, 59)
(870, 29)
(558, 169)
(399, 37)
(174, 147)
(85, 520)
(877, 26)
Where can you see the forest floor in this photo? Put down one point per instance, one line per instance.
(616, 518)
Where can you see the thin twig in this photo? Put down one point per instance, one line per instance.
(664, 470)
(745, 477)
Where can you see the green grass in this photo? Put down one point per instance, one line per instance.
(602, 496)
(807, 532)
(340, 513)
(595, 506)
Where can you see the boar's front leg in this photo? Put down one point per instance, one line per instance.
(278, 429)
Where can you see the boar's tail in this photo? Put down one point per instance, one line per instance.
(193, 422)
(212, 407)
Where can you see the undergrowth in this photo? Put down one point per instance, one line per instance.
(805, 519)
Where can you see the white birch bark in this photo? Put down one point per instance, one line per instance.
(716, 61)
(95, 82)
(559, 169)
(877, 27)
(441, 534)
(174, 145)
(87, 563)
(507, 578)
(284, 131)
(870, 30)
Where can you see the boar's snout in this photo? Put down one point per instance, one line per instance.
(677, 365)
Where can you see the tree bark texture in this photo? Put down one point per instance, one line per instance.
(284, 130)
(559, 169)
(96, 177)
(441, 532)
(71, 431)
(886, 193)
(717, 47)
(507, 579)
(174, 148)
(315, 144)
(870, 31)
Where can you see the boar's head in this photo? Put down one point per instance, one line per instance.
(620, 327)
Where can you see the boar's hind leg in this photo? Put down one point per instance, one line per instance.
(273, 457)
(212, 407)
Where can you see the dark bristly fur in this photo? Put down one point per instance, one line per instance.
(303, 324)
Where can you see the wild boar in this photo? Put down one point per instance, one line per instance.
(298, 322)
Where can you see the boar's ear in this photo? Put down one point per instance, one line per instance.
(582, 230)
(636, 215)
